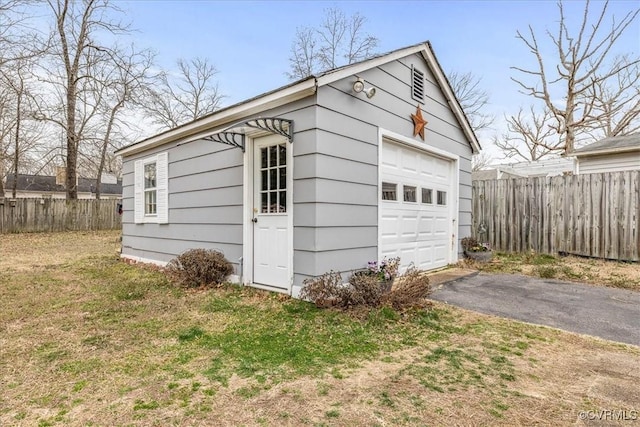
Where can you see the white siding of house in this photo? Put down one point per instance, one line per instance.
(609, 163)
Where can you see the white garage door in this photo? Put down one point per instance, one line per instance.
(417, 202)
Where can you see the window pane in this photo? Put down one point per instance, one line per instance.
(282, 157)
(389, 191)
(283, 202)
(263, 158)
(273, 156)
(265, 203)
(283, 177)
(442, 197)
(273, 179)
(150, 175)
(409, 193)
(427, 195)
(150, 205)
(264, 181)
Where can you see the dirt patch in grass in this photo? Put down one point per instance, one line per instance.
(617, 274)
(88, 340)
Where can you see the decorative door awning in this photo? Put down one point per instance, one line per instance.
(234, 135)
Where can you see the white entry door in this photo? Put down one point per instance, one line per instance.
(271, 232)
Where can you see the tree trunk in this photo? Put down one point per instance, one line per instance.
(72, 143)
(16, 154)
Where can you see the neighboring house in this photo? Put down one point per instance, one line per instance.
(546, 167)
(50, 186)
(613, 154)
(326, 173)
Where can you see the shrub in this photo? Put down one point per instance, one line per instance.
(471, 244)
(410, 291)
(363, 290)
(199, 267)
(366, 290)
(324, 291)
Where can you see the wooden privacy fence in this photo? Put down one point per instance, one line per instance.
(596, 215)
(31, 215)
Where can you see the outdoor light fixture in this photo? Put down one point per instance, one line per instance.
(358, 86)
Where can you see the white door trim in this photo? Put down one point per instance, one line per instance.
(248, 213)
(455, 165)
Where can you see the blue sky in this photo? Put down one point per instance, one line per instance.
(249, 41)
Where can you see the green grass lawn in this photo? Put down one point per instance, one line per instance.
(86, 339)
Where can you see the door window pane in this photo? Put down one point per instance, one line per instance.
(409, 193)
(264, 202)
(264, 181)
(283, 202)
(442, 197)
(283, 154)
(273, 156)
(283, 177)
(389, 191)
(263, 158)
(427, 196)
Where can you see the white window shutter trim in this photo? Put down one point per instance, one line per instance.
(138, 192)
(162, 168)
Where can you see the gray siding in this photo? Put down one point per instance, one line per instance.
(337, 192)
(205, 195)
(609, 163)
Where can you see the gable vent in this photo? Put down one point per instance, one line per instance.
(417, 84)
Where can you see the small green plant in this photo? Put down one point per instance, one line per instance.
(387, 269)
(199, 267)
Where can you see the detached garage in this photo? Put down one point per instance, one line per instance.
(363, 162)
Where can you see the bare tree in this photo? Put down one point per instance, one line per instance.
(116, 85)
(191, 94)
(339, 40)
(76, 46)
(575, 71)
(616, 102)
(529, 136)
(473, 99)
(480, 161)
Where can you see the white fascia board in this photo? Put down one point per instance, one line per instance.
(451, 98)
(203, 127)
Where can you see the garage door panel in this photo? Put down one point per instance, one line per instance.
(417, 232)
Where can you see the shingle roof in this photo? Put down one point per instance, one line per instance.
(44, 183)
(611, 144)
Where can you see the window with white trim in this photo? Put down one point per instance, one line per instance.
(150, 192)
(151, 189)
(442, 198)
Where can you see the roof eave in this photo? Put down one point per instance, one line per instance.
(202, 127)
(605, 151)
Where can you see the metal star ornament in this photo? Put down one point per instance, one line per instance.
(418, 123)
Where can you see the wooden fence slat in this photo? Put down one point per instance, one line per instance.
(595, 215)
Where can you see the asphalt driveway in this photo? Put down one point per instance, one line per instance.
(609, 313)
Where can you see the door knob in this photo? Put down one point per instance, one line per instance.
(254, 220)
